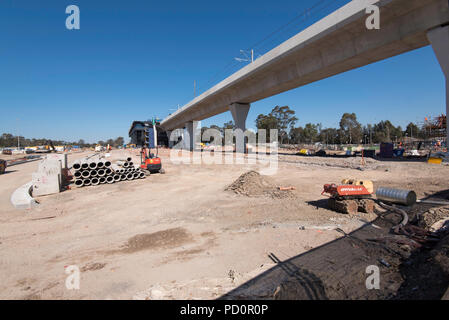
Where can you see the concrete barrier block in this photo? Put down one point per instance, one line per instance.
(44, 184)
(59, 157)
(51, 167)
(21, 197)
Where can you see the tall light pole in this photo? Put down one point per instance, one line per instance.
(18, 136)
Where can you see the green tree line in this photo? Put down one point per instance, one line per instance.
(350, 131)
(9, 140)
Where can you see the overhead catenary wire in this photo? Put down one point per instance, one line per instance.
(266, 44)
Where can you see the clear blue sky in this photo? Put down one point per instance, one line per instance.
(135, 59)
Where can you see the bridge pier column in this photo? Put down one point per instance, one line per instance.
(189, 135)
(439, 39)
(170, 143)
(239, 113)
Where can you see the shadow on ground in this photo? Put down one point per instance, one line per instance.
(338, 270)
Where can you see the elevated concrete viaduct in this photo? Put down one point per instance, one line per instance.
(338, 43)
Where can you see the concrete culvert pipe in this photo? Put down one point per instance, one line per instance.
(129, 176)
(93, 173)
(102, 180)
(108, 171)
(85, 174)
(123, 177)
(142, 175)
(136, 175)
(93, 165)
(130, 164)
(116, 177)
(84, 166)
(100, 164)
(95, 181)
(77, 166)
(78, 174)
(107, 164)
(79, 183)
(86, 182)
(110, 179)
(101, 173)
(125, 165)
(129, 159)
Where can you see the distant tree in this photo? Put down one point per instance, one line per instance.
(110, 142)
(229, 125)
(119, 141)
(351, 129)
(7, 140)
(412, 131)
(285, 118)
(310, 132)
(385, 131)
(81, 143)
(266, 122)
(329, 136)
(281, 118)
(296, 135)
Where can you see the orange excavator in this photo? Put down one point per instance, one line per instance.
(351, 196)
(150, 162)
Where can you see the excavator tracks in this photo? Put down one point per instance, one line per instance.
(351, 206)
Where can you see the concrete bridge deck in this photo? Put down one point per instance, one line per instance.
(338, 43)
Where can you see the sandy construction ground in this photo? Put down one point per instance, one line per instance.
(178, 235)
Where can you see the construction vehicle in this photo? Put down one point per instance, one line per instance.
(148, 161)
(2, 166)
(49, 147)
(99, 148)
(351, 196)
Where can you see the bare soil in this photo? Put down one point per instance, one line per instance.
(181, 235)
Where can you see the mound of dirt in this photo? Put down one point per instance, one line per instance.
(252, 184)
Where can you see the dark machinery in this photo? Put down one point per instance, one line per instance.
(2, 166)
(349, 198)
(150, 162)
(52, 147)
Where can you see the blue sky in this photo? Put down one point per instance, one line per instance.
(135, 59)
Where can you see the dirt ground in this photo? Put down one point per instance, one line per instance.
(180, 235)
